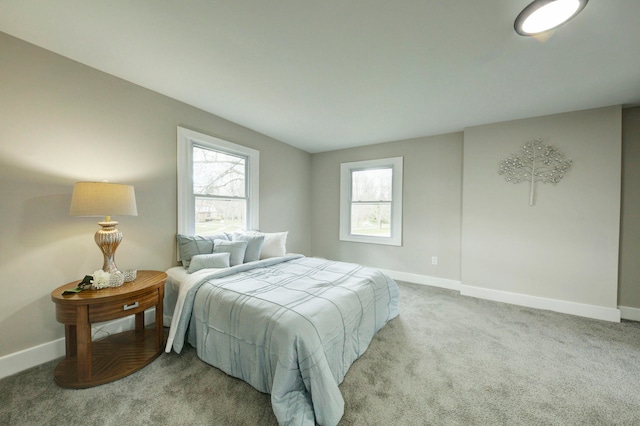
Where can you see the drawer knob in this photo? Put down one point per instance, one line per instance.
(131, 306)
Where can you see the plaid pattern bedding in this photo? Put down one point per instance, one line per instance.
(293, 329)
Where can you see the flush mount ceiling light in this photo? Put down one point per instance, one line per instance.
(544, 15)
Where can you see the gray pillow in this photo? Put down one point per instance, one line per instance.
(254, 245)
(191, 245)
(235, 248)
(213, 260)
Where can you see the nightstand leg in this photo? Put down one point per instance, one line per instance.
(84, 344)
(71, 340)
(140, 321)
(160, 319)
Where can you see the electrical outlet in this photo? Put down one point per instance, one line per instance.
(434, 260)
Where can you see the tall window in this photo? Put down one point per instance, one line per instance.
(371, 201)
(217, 185)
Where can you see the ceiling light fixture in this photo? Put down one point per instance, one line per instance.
(544, 15)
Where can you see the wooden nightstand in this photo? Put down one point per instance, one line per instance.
(90, 363)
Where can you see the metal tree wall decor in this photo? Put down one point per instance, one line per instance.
(536, 163)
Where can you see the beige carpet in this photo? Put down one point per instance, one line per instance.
(446, 360)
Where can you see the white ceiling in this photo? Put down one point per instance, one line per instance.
(329, 74)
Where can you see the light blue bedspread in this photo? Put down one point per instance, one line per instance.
(291, 328)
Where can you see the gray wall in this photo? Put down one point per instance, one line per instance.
(566, 246)
(629, 279)
(63, 122)
(431, 211)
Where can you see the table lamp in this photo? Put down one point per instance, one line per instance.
(104, 199)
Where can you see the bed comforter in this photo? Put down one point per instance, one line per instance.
(289, 326)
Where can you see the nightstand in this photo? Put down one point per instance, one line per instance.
(90, 363)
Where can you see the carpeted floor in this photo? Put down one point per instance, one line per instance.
(446, 360)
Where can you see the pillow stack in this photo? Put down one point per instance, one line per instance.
(274, 245)
(225, 250)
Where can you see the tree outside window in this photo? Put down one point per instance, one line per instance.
(219, 186)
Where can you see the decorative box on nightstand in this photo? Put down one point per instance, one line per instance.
(90, 363)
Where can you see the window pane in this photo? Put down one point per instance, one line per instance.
(371, 219)
(217, 173)
(371, 185)
(214, 215)
(371, 201)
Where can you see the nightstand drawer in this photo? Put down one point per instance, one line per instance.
(124, 307)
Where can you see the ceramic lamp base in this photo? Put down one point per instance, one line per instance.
(108, 238)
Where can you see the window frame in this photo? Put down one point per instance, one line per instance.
(186, 139)
(346, 170)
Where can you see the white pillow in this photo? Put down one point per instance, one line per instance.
(274, 245)
(213, 260)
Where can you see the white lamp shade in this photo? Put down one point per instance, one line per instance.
(103, 199)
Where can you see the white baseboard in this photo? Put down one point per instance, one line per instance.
(632, 314)
(562, 306)
(423, 279)
(31, 357)
(27, 358)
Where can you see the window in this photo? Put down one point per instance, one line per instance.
(371, 201)
(217, 185)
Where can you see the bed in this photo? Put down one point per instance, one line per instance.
(290, 326)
